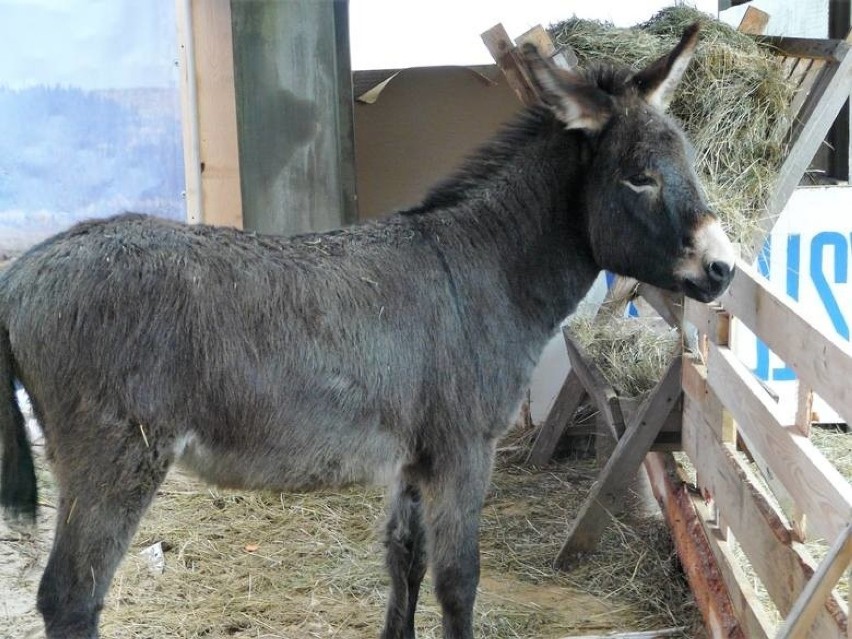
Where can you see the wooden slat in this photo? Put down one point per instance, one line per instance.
(824, 361)
(697, 559)
(757, 525)
(814, 483)
(810, 603)
(602, 394)
(806, 85)
(608, 490)
(744, 600)
(569, 398)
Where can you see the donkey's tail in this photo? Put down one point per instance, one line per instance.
(18, 491)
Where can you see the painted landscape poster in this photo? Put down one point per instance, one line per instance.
(89, 114)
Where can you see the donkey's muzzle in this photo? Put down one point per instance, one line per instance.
(716, 279)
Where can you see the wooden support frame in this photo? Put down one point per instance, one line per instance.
(596, 512)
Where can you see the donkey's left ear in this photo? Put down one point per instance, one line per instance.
(575, 101)
(658, 81)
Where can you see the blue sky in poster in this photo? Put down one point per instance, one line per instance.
(89, 114)
(89, 44)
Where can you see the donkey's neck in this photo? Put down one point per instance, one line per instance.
(516, 209)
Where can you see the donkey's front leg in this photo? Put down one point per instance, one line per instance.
(452, 505)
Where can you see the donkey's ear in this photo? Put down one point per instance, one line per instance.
(658, 81)
(577, 103)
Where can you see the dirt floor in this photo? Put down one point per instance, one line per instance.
(298, 566)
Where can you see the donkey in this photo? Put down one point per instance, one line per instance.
(394, 351)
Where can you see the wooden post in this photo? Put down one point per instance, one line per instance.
(211, 154)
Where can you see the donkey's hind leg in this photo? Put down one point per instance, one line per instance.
(104, 489)
(406, 560)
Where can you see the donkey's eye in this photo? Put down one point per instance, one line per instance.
(641, 183)
(642, 179)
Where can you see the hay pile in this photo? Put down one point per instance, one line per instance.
(297, 566)
(732, 102)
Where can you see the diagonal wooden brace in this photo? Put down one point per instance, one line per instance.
(586, 530)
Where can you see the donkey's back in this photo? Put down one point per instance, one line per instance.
(259, 362)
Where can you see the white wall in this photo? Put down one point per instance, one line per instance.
(795, 18)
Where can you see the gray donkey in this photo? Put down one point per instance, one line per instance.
(393, 351)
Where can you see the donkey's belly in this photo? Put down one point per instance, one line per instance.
(295, 461)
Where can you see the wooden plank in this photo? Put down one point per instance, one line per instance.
(595, 513)
(756, 524)
(810, 602)
(503, 51)
(744, 599)
(833, 90)
(754, 21)
(216, 112)
(569, 398)
(813, 482)
(696, 557)
(824, 361)
(602, 394)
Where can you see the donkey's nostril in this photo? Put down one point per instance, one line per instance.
(719, 272)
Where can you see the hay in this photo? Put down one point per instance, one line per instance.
(310, 565)
(631, 353)
(732, 102)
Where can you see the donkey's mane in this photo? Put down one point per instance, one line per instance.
(492, 158)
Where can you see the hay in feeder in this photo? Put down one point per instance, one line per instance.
(631, 353)
(733, 103)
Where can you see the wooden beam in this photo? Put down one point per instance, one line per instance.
(596, 511)
(209, 109)
(824, 495)
(567, 401)
(696, 557)
(823, 361)
(810, 602)
(602, 394)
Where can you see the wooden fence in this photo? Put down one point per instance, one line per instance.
(761, 480)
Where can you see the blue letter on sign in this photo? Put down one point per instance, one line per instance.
(841, 273)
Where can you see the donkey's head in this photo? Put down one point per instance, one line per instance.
(646, 215)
